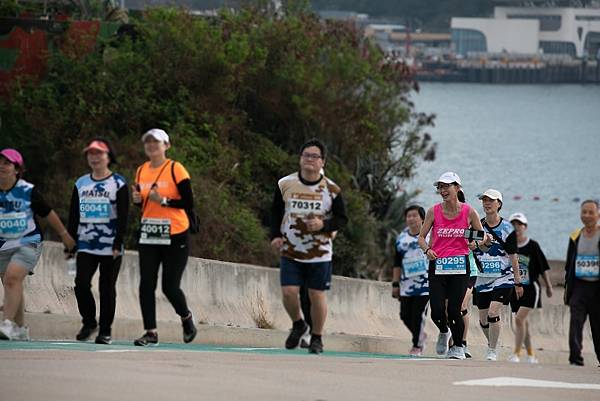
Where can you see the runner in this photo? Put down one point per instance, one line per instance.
(582, 281)
(449, 265)
(410, 284)
(307, 209)
(20, 239)
(500, 273)
(164, 192)
(98, 221)
(533, 264)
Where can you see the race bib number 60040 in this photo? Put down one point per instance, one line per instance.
(13, 225)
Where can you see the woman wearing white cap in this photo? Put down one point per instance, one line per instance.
(98, 221)
(20, 239)
(164, 193)
(449, 265)
(500, 267)
(533, 264)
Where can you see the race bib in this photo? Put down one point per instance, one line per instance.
(451, 265)
(94, 210)
(491, 267)
(524, 269)
(13, 225)
(587, 266)
(155, 231)
(303, 204)
(414, 267)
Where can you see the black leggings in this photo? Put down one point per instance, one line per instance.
(87, 264)
(412, 313)
(451, 287)
(174, 259)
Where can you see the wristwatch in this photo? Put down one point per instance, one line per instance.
(164, 201)
(395, 284)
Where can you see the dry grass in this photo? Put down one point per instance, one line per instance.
(260, 313)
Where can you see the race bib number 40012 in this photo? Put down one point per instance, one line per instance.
(587, 266)
(94, 210)
(303, 204)
(155, 231)
(13, 225)
(414, 267)
(451, 265)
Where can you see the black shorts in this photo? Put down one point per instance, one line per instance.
(532, 298)
(315, 275)
(483, 299)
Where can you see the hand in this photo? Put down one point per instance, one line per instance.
(68, 241)
(154, 196)
(431, 255)
(472, 245)
(135, 194)
(519, 292)
(314, 224)
(549, 291)
(396, 293)
(487, 239)
(277, 243)
(116, 253)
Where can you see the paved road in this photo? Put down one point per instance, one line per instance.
(64, 371)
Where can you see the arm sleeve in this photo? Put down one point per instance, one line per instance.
(543, 262)
(339, 218)
(122, 215)
(511, 243)
(73, 223)
(398, 258)
(38, 204)
(277, 212)
(184, 187)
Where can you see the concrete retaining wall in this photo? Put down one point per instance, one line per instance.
(245, 296)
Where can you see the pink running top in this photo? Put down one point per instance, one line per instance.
(448, 234)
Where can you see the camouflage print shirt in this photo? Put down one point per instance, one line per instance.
(297, 199)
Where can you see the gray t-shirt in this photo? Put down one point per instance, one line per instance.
(586, 266)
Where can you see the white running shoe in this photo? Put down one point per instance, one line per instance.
(442, 343)
(7, 330)
(532, 359)
(22, 334)
(456, 352)
(467, 352)
(492, 354)
(514, 358)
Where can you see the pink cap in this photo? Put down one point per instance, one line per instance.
(13, 156)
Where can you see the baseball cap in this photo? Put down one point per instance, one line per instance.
(448, 178)
(492, 194)
(13, 156)
(157, 134)
(97, 145)
(520, 217)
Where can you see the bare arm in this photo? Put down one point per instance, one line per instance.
(54, 221)
(427, 224)
(546, 278)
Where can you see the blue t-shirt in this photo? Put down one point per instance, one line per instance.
(414, 281)
(497, 268)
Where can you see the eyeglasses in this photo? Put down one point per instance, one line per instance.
(443, 186)
(311, 156)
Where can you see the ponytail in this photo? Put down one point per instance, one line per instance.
(461, 196)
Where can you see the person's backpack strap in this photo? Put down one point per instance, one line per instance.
(496, 237)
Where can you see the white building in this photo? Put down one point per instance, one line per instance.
(572, 31)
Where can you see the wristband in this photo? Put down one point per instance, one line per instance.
(518, 284)
(426, 250)
(395, 284)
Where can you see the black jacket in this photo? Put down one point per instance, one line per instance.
(570, 264)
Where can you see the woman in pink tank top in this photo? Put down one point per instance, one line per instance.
(449, 263)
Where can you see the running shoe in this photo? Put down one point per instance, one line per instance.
(304, 344)
(422, 339)
(456, 352)
(467, 352)
(532, 360)
(415, 351)
(189, 328)
(491, 355)
(442, 343)
(102, 339)
(86, 332)
(514, 358)
(147, 339)
(301, 332)
(8, 330)
(316, 345)
(22, 334)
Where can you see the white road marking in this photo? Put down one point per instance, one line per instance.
(519, 382)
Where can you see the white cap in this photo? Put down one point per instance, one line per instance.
(157, 134)
(520, 217)
(448, 178)
(492, 194)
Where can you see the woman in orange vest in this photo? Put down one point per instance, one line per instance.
(164, 193)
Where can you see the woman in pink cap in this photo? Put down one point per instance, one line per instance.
(20, 239)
